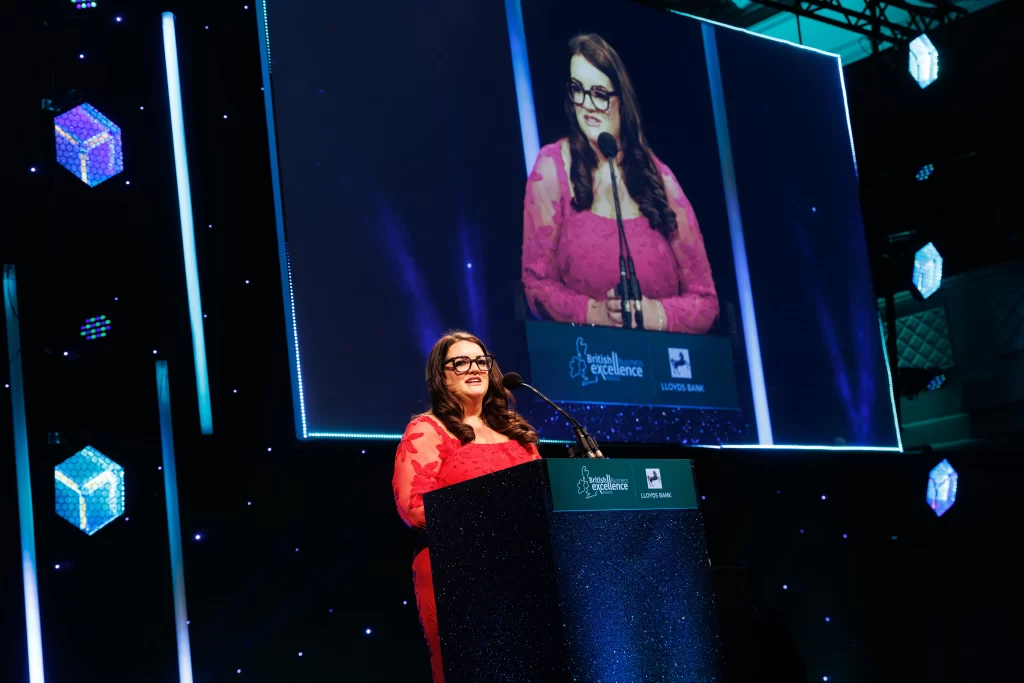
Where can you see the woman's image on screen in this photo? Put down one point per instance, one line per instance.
(570, 234)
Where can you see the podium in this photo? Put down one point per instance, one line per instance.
(583, 570)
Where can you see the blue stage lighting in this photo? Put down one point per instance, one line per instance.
(89, 490)
(94, 328)
(926, 172)
(936, 382)
(941, 492)
(88, 144)
(927, 270)
(924, 61)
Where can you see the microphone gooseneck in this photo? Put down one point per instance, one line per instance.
(512, 381)
(629, 286)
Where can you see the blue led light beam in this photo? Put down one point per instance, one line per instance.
(762, 416)
(291, 325)
(188, 237)
(524, 85)
(163, 395)
(33, 631)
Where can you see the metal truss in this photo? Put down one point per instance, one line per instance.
(872, 21)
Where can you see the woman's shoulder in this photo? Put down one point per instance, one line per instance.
(557, 152)
(431, 420)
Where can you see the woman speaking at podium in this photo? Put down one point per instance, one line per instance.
(570, 234)
(470, 431)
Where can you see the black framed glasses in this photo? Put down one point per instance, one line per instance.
(600, 98)
(462, 364)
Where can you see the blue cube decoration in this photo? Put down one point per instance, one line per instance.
(89, 490)
(88, 144)
(924, 61)
(941, 487)
(927, 270)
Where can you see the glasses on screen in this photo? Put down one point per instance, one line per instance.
(599, 97)
(462, 364)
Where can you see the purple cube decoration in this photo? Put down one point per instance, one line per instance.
(88, 144)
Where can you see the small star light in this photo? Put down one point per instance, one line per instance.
(824, 497)
(246, 282)
(225, 116)
(469, 265)
(238, 671)
(405, 602)
(369, 631)
(32, 170)
(845, 536)
(154, 352)
(199, 537)
(300, 654)
(117, 19)
(56, 566)
(785, 586)
(828, 618)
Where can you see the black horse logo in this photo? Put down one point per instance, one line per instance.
(653, 478)
(679, 361)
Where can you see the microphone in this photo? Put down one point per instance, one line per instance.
(512, 381)
(629, 285)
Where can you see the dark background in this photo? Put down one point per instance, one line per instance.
(933, 603)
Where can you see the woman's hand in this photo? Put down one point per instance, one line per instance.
(654, 313)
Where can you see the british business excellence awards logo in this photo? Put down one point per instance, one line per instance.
(679, 363)
(590, 368)
(595, 486)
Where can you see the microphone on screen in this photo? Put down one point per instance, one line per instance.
(513, 381)
(629, 285)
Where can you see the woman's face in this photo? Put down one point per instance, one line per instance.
(591, 119)
(472, 386)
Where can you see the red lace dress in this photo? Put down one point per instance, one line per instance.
(427, 459)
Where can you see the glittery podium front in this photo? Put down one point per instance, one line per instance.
(592, 571)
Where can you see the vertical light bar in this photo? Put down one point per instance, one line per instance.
(163, 395)
(888, 374)
(524, 87)
(28, 535)
(188, 237)
(739, 248)
(846, 109)
(291, 326)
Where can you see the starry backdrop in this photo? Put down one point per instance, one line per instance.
(827, 566)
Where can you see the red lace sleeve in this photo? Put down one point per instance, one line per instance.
(695, 310)
(417, 469)
(546, 293)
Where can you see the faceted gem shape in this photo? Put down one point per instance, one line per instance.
(924, 61)
(927, 270)
(89, 490)
(88, 144)
(941, 492)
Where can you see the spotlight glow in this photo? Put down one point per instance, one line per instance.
(927, 270)
(941, 493)
(88, 144)
(924, 61)
(89, 490)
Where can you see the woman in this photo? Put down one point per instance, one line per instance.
(470, 431)
(570, 235)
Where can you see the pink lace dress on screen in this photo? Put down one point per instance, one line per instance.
(427, 459)
(572, 256)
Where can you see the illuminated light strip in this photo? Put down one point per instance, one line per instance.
(755, 33)
(780, 447)
(284, 262)
(354, 435)
(846, 109)
(762, 416)
(33, 630)
(163, 394)
(188, 237)
(524, 86)
(892, 393)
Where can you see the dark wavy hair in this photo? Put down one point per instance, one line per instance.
(498, 408)
(640, 172)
